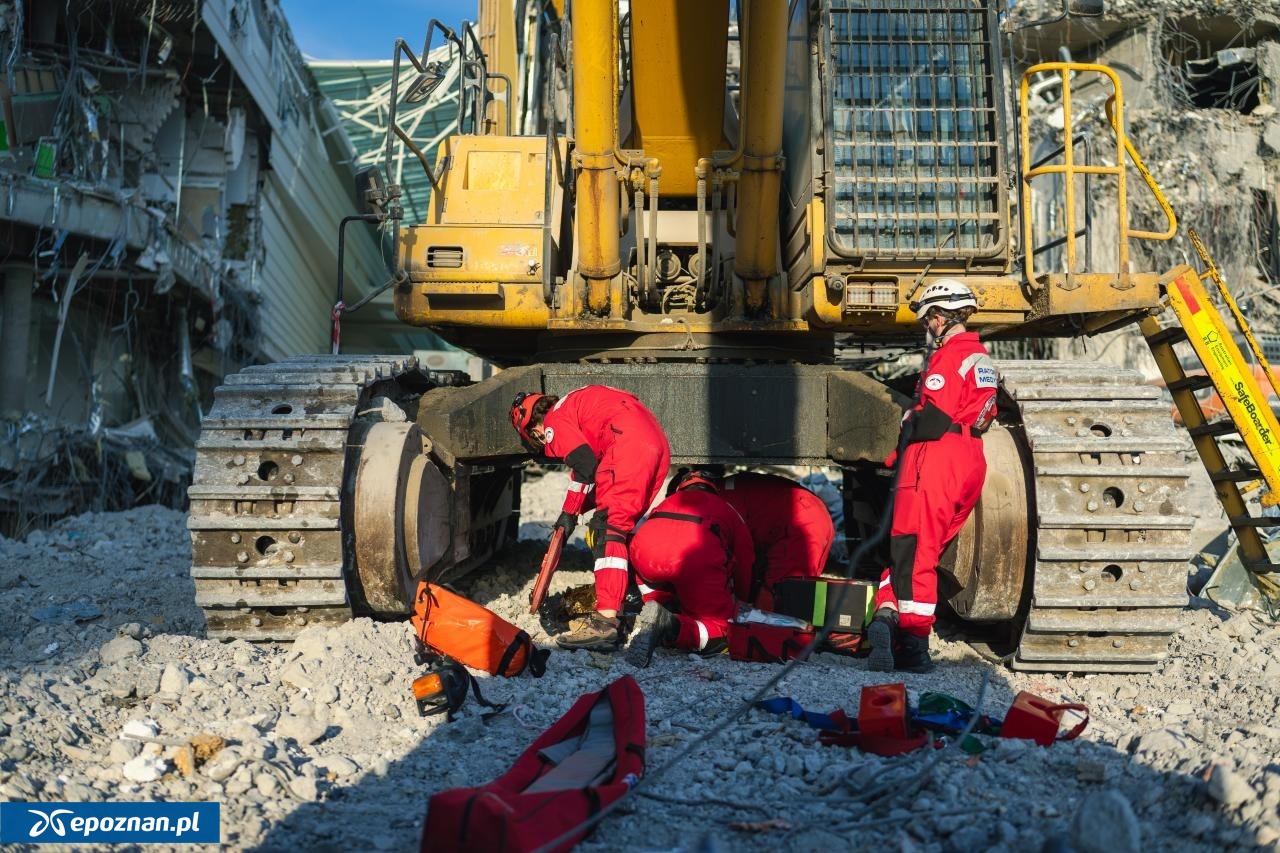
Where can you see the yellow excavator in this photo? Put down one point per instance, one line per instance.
(725, 208)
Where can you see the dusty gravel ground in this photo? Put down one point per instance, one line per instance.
(106, 675)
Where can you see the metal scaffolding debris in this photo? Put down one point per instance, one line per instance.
(171, 178)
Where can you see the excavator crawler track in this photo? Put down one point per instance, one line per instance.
(1112, 517)
(268, 549)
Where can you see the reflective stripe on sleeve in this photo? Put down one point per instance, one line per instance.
(612, 563)
(916, 608)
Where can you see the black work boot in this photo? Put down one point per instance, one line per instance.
(912, 654)
(718, 646)
(880, 636)
(655, 626)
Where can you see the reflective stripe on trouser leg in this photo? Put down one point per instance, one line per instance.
(662, 596)
(884, 592)
(696, 633)
(917, 608)
(611, 575)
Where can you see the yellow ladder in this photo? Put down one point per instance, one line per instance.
(1201, 325)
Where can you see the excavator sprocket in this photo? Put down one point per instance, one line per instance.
(271, 540)
(1112, 520)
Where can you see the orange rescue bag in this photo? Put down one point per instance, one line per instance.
(470, 633)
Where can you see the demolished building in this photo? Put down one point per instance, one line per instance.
(1201, 87)
(171, 184)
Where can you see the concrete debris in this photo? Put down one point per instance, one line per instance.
(1228, 787)
(144, 768)
(1105, 823)
(318, 744)
(174, 680)
(143, 730)
(119, 649)
(303, 728)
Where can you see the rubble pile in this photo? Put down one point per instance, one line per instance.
(111, 694)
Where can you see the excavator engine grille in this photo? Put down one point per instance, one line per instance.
(444, 257)
(914, 130)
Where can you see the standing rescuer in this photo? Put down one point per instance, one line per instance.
(618, 457)
(940, 475)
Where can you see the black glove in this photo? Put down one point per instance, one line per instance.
(596, 529)
(568, 521)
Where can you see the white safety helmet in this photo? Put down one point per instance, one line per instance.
(946, 293)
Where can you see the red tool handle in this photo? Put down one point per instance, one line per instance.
(549, 563)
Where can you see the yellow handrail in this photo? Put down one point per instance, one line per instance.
(1170, 217)
(1070, 169)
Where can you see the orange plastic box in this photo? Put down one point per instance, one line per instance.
(882, 710)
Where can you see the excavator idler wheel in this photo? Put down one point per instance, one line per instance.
(989, 559)
(426, 516)
(399, 514)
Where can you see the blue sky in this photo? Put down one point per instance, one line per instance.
(367, 29)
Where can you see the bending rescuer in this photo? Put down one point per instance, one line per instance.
(790, 525)
(688, 555)
(940, 475)
(618, 457)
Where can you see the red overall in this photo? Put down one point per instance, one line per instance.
(629, 457)
(687, 554)
(940, 476)
(790, 525)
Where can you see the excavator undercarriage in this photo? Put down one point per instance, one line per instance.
(326, 486)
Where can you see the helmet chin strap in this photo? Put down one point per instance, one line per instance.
(932, 341)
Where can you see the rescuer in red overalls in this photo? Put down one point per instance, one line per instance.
(791, 528)
(687, 555)
(617, 456)
(940, 475)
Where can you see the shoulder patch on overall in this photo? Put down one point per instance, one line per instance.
(984, 370)
(934, 381)
(549, 434)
